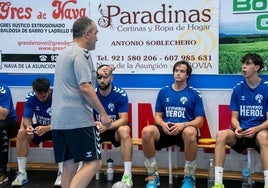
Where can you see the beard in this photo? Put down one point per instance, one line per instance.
(104, 87)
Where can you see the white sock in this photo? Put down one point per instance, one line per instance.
(265, 172)
(60, 165)
(22, 161)
(127, 167)
(218, 174)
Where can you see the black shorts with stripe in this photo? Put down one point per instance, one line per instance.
(82, 144)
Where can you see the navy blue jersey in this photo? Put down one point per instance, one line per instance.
(41, 111)
(179, 106)
(251, 104)
(116, 102)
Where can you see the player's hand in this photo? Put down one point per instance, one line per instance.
(166, 128)
(40, 130)
(239, 132)
(250, 132)
(176, 128)
(29, 130)
(100, 126)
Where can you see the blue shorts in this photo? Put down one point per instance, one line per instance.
(82, 144)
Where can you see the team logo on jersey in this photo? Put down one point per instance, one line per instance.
(111, 106)
(259, 98)
(3, 90)
(37, 108)
(243, 98)
(167, 99)
(49, 111)
(183, 100)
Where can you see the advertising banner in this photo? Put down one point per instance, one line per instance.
(136, 36)
(243, 29)
(34, 32)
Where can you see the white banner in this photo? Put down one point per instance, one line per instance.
(139, 36)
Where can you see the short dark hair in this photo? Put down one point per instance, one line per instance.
(41, 85)
(103, 65)
(256, 58)
(183, 62)
(81, 25)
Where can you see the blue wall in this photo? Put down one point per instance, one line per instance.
(140, 80)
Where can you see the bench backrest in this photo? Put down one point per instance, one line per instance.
(224, 117)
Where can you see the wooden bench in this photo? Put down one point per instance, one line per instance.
(171, 171)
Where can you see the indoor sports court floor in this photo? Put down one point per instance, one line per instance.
(45, 179)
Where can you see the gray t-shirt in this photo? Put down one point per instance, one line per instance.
(70, 109)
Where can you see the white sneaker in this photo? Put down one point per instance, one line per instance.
(58, 180)
(21, 179)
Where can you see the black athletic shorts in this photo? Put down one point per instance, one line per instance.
(244, 143)
(166, 140)
(109, 135)
(82, 144)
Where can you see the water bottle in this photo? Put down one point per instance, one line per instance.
(211, 173)
(110, 170)
(246, 174)
(97, 175)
